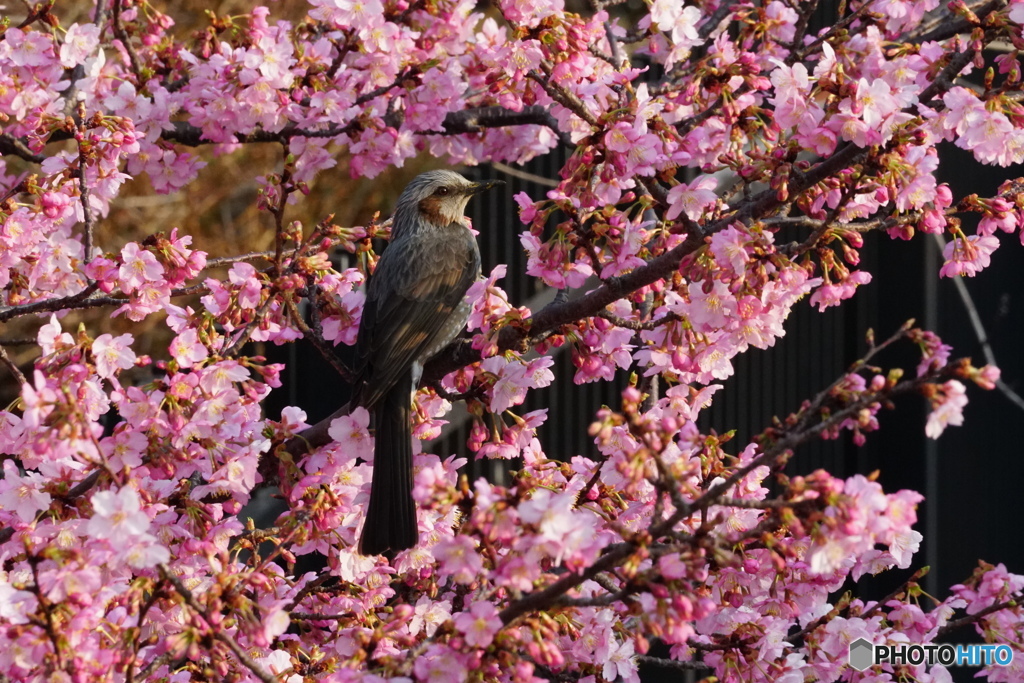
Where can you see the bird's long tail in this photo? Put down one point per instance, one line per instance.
(391, 515)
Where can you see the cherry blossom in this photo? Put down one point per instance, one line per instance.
(724, 162)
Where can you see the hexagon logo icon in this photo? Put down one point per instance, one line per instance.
(861, 654)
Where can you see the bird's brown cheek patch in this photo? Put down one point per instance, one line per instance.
(430, 208)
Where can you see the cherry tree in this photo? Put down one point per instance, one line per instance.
(694, 136)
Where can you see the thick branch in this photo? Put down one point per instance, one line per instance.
(459, 122)
(10, 146)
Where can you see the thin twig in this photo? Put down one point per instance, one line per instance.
(227, 260)
(83, 187)
(523, 175)
(1014, 601)
(6, 360)
(979, 331)
(126, 42)
(321, 344)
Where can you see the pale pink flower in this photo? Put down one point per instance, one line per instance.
(1016, 13)
(15, 605)
(51, 338)
(352, 434)
(187, 350)
(117, 515)
(222, 376)
(22, 494)
(429, 614)
(244, 277)
(138, 267)
(731, 249)
(113, 354)
(440, 664)
(79, 43)
(29, 48)
(692, 199)
(479, 624)
(947, 408)
(458, 557)
(146, 552)
(514, 378)
(620, 664)
(967, 257)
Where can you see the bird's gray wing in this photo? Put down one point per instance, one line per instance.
(410, 299)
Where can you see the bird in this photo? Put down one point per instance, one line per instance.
(415, 306)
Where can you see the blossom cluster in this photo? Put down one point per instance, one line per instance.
(725, 161)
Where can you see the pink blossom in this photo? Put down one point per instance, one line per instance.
(551, 262)
(730, 247)
(832, 294)
(620, 664)
(934, 353)
(138, 267)
(1016, 13)
(16, 605)
(113, 354)
(440, 664)
(146, 553)
(22, 494)
(79, 43)
(117, 515)
(459, 558)
(947, 408)
(51, 338)
(692, 199)
(428, 615)
(243, 276)
(187, 349)
(967, 257)
(480, 624)
(512, 378)
(352, 432)
(222, 376)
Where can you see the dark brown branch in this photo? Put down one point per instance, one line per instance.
(10, 146)
(126, 42)
(6, 360)
(465, 121)
(317, 340)
(947, 26)
(565, 98)
(83, 300)
(672, 664)
(636, 324)
(48, 305)
(1015, 601)
(459, 122)
(83, 188)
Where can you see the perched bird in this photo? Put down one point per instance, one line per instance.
(415, 306)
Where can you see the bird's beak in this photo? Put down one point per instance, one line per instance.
(477, 188)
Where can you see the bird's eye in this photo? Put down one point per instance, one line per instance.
(441, 191)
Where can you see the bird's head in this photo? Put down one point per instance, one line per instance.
(440, 197)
